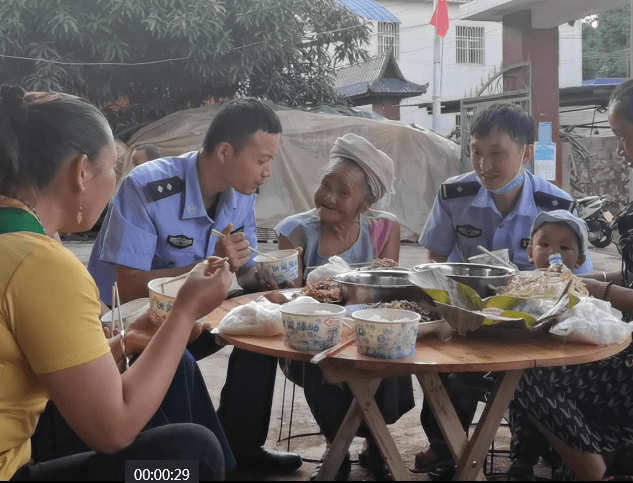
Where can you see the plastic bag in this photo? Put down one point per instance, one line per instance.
(334, 266)
(592, 321)
(257, 318)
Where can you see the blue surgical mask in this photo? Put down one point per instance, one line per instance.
(514, 182)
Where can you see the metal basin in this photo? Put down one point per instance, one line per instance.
(367, 287)
(481, 278)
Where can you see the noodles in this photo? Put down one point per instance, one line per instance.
(544, 285)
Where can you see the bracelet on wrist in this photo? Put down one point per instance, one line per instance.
(606, 290)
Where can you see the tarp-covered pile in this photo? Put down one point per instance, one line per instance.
(422, 160)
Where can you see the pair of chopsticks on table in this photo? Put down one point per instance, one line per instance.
(332, 351)
(116, 305)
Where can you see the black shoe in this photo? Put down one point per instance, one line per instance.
(443, 473)
(520, 471)
(343, 471)
(371, 460)
(264, 459)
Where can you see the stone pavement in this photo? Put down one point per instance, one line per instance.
(305, 440)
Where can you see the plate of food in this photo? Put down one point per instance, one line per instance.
(326, 291)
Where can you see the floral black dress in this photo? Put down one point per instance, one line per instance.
(588, 406)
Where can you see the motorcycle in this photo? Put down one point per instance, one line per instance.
(598, 218)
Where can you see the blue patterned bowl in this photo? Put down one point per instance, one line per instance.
(386, 333)
(283, 269)
(312, 327)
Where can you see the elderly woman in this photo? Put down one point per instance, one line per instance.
(343, 223)
(585, 411)
(57, 158)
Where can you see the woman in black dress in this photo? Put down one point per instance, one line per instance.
(586, 411)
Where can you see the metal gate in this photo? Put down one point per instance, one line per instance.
(511, 84)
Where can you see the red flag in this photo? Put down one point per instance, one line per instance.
(440, 18)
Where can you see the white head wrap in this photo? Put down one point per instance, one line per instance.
(377, 165)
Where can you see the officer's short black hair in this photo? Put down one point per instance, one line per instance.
(508, 118)
(238, 121)
(622, 100)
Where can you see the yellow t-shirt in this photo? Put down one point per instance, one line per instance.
(49, 321)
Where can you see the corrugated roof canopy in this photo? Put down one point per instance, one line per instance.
(369, 9)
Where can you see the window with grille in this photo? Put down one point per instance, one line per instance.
(470, 45)
(389, 38)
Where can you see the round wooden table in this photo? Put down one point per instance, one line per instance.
(432, 357)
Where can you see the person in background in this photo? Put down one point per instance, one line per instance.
(160, 225)
(144, 153)
(57, 158)
(585, 411)
(343, 223)
(494, 206)
(107, 271)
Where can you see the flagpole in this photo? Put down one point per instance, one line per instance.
(437, 73)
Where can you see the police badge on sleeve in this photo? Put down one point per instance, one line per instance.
(179, 241)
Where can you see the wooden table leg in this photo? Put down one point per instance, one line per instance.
(444, 412)
(345, 435)
(472, 461)
(364, 391)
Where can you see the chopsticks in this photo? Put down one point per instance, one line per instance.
(219, 234)
(116, 304)
(184, 275)
(332, 351)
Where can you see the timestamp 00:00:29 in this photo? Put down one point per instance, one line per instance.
(161, 470)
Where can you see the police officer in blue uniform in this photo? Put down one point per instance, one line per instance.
(159, 225)
(493, 206)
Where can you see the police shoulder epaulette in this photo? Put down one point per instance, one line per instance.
(552, 202)
(165, 188)
(460, 190)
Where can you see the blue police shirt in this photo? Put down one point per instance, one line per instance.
(157, 220)
(464, 215)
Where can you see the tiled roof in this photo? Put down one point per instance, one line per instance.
(369, 9)
(379, 75)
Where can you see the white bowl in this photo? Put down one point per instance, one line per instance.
(428, 327)
(162, 298)
(312, 327)
(283, 269)
(386, 333)
(129, 312)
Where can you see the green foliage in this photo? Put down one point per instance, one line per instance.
(606, 44)
(283, 50)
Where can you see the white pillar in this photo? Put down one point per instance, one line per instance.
(437, 75)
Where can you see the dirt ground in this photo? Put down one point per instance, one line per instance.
(291, 415)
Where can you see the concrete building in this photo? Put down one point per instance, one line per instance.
(472, 52)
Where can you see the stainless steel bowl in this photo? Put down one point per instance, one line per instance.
(481, 278)
(367, 287)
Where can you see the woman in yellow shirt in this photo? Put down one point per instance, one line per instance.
(57, 160)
